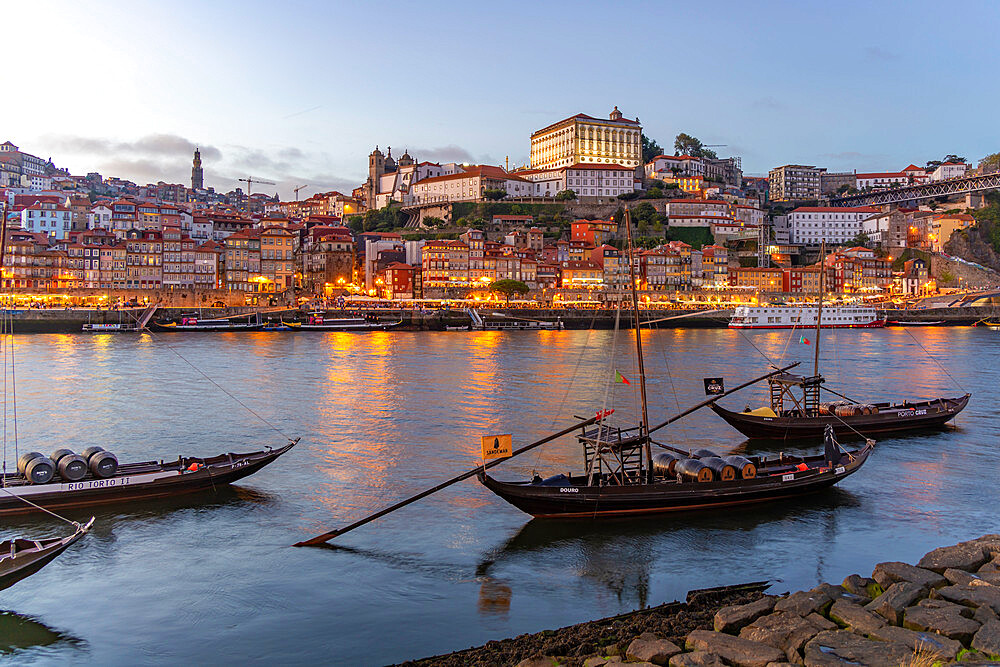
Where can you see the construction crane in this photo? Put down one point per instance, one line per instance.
(250, 180)
(297, 190)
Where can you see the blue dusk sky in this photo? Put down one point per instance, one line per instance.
(300, 92)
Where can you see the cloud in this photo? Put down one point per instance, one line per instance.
(449, 153)
(876, 53)
(151, 145)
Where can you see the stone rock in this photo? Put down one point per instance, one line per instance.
(963, 578)
(696, 659)
(967, 556)
(886, 574)
(944, 621)
(972, 596)
(984, 615)
(987, 640)
(859, 620)
(732, 619)
(783, 664)
(650, 648)
(990, 545)
(835, 592)
(821, 622)
(734, 650)
(925, 642)
(836, 648)
(899, 596)
(595, 661)
(784, 630)
(863, 586)
(992, 567)
(804, 603)
(539, 661)
(959, 609)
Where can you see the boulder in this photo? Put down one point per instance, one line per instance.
(899, 596)
(991, 567)
(821, 622)
(836, 648)
(925, 642)
(539, 661)
(990, 545)
(595, 661)
(972, 596)
(852, 616)
(959, 609)
(733, 650)
(963, 578)
(696, 659)
(944, 621)
(835, 592)
(968, 556)
(863, 586)
(984, 615)
(651, 648)
(987, 640)
(804, 603)
(732, 619)
(886, 574)
(784, 630)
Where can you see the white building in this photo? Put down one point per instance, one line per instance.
(882, 180)
(949, 170)
(99, 217)
(586, 180)
(51, 219)
(811, 225)
(470, 185)
(583, 139)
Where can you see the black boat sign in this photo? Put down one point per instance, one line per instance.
(715, 386)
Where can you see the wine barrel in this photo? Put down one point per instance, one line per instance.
(693, 470)
(24, 459)
(745, 468)
(664, 463)
(39, 470)
(90, 451)
(705, 453)
(72, 468)
(59, 453)
(103, 464)
(725, 472)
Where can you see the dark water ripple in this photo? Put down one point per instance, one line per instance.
(212, 578)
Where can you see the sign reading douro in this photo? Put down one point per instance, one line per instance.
(714, 386)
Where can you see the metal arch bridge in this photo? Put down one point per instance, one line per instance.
(912, 193)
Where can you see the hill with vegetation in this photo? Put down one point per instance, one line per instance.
(981, 242)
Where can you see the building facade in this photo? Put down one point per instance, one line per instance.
(582, 139)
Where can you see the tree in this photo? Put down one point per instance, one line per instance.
(565, 195)
(494, 194)
(990, 163)
(860, 239)
(508, 288)
(947, 158)
(654, 193)
(685, 144)
(650, 149)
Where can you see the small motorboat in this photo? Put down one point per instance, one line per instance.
(21, 558)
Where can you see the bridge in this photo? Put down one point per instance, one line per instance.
(913, 193)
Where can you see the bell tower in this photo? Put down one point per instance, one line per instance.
(197, 173)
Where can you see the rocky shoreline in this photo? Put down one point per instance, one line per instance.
(943, 610)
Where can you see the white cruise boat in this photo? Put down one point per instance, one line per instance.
(804, 317)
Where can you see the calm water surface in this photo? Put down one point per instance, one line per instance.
(213, 579)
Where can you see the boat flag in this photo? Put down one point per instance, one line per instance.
(621, 378)
(496, 446)
(803, 340)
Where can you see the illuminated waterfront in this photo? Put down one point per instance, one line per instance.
(382, 415)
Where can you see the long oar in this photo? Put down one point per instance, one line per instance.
(718, 396)
(325, 537)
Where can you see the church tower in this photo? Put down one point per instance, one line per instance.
(197, 174)
(376, 169)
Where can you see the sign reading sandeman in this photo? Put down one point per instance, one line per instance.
(497, 446)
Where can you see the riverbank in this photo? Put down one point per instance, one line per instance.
(942, 610)
(71, 320)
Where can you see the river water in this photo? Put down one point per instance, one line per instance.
(212, 578)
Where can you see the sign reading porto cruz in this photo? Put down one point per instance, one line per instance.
(714, 386)
(497, 446)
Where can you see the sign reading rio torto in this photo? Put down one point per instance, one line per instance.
(497, 446)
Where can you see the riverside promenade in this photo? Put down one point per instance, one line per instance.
(71, 320)
(942, 610)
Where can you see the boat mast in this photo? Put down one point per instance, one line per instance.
(644, 427)
(819, 309)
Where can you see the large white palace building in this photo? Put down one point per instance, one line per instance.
(582, 139)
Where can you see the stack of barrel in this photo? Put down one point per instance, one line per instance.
(40, 469)
(846, 409)
(703, 465)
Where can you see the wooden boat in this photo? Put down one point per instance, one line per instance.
(797, 412)
(623, 477)
(21, 558)
(318, 322)
(192, 323)
(115, 327)
(281, 325)
(65, 488)
(914, 323)
(992, 324)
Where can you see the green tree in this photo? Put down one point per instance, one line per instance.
(494, 194)
(565, 195)
(946, 277)
(434, 221)
(508, 288)
(990, 163)
(685, 144)
(650, 149)
(654, 193)
(861, 239)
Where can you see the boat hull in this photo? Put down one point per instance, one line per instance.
(581, 501)
(875, 324)
(141, 481)
(29, 561)
(890, 419)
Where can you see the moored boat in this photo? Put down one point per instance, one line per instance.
(319, 322)
(20, 558)
(805, 316)
(193, 323)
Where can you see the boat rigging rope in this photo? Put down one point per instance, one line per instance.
(224, 391)
(36, 506)
(932, 358)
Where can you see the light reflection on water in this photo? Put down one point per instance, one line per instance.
(386, 414)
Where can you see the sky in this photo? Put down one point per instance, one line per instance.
(301, 92)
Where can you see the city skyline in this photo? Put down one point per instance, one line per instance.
(303, 94)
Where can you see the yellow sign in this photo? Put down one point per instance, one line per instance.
(496, 446)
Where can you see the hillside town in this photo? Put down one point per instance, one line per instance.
(429, 230)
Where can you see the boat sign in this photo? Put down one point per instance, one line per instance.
(788, 478)
(497, 446)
